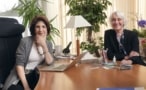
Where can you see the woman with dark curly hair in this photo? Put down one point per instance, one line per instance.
(31, 51)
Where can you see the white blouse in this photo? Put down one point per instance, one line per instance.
(35, 57)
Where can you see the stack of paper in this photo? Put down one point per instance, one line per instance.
(88, 56)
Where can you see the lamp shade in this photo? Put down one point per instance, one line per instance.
(77, 21)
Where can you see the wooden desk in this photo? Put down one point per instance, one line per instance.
(83, 77)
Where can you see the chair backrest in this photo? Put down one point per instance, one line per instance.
(10, 35)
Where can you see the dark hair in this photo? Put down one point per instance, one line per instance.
(35, 20)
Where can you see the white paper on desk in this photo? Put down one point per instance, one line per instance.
(88, 56)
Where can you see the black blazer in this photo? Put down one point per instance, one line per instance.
(130, 43)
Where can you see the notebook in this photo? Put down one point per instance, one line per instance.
(61, 66)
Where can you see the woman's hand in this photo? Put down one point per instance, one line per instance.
(27, 88)
(40, 40)
(133, 53)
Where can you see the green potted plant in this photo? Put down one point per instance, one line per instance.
(28, 9)
(93, 47)
(91, 10)
(94, 12)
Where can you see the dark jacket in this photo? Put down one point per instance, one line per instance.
(130, 43)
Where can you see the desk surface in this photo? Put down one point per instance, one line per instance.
(84, 77)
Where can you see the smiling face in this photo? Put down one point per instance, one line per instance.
(117, 22)
(41, 28)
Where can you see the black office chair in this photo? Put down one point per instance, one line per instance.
(10, 35)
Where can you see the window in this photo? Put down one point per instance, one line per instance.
(6, 5)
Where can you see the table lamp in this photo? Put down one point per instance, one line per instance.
(76, 22)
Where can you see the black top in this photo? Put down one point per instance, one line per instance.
(128, 43)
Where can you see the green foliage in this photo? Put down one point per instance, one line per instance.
(91, 47)
(92, 10)
(141, 33)
(101, 43)
(54, 31)
(28, 9)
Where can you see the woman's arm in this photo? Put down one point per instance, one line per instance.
(21, 75)
(21, 60)
(133, 57)
(47, 55)
(134, 54)
(41, 41)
